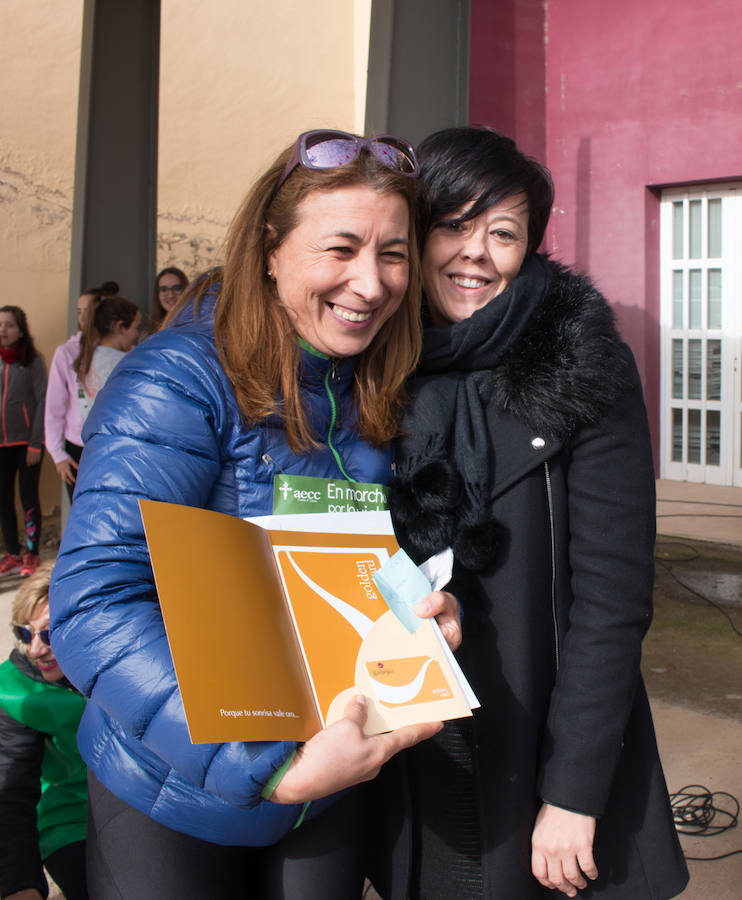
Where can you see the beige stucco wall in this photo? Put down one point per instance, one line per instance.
(39, 71)
(239, 80)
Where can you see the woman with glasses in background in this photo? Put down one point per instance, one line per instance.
(169, 286)
(291, 359)
(43, 780)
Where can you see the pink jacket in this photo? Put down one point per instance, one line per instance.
(62, 418)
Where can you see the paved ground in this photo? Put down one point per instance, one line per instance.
(698, 748)
(692, 662)
(702, 511)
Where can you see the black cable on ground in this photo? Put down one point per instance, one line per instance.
(695, 812)
(696, 502)
(696, 515)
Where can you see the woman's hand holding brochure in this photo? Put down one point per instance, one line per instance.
(357, 757)
(341, 755)
(447, 612)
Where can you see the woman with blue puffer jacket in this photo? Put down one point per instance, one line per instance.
(292, 359)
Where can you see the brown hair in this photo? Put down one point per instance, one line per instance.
(32, 593)
(255, 334)
(101, 317)
(158, 313)
(26, 348)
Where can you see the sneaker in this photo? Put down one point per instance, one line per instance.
(30, 564)
(10, 565)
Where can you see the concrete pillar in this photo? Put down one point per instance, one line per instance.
(115, 197)
(418, 69)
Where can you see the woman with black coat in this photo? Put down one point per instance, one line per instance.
(527, 450)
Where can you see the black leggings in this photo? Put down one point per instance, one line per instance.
(67, 868)
(75, 451)
(12, 460)
(132, 857)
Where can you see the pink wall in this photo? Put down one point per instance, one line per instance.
(635, 94)
(507, 70)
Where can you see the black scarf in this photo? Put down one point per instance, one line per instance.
(444, 461)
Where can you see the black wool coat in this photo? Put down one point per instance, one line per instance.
(553, 628)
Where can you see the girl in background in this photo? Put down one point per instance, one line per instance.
(111, 329)
(23, 380)
(62, 417)
(169, 285)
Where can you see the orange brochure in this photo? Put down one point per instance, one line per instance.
(273, 631)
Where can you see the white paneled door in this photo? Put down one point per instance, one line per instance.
(701, 327)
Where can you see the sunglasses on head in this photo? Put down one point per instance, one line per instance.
(25, 634)
(326, 149)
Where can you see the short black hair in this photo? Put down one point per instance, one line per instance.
(471, 163)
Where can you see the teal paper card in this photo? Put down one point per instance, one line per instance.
(402, 585)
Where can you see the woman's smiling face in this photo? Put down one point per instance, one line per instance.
(41, 654)
(343, 270)
(169, 289)
(467, 264)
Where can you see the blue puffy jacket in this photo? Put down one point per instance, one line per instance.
(166, 426)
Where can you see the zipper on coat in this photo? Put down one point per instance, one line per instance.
(552, 535)
(330, 380)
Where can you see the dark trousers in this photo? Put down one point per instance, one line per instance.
(75, 451)
(12, 461)
(132, 857)
(67, 868)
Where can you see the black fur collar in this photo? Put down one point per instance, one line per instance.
(565, 366)
(569, 365)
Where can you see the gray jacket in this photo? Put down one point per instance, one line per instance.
(22, 405)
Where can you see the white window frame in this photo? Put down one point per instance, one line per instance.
(729, 470)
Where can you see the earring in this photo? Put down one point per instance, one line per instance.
(271, 276)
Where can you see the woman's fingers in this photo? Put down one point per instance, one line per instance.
(562, 849)
(447, 612)
(586, 862)
(341, 755)
(403, 738)
(356, 710)
(557, 874)
(67, 469)
(33, 456)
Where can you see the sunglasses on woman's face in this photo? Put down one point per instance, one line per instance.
(25, 634)
(170, 289)
(327, 149)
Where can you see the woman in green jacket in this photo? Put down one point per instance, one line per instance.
(43, 780)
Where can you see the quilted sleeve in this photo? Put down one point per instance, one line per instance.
(154, 432)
